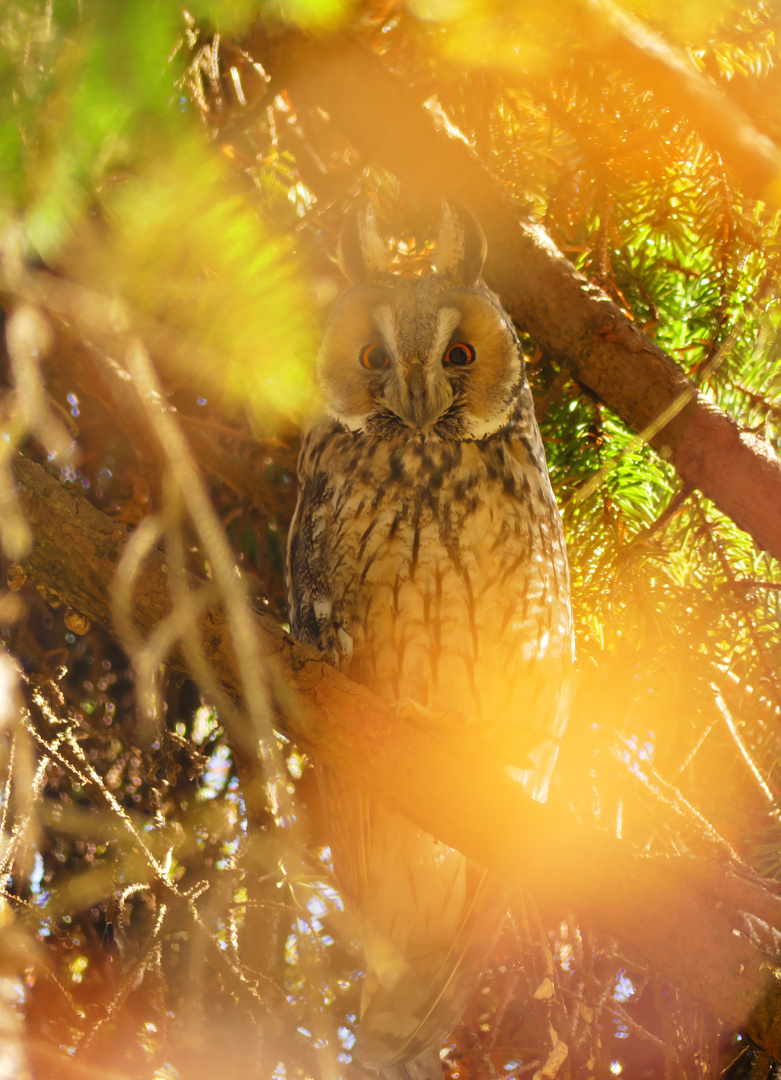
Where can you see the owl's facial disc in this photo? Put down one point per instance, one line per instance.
(420, 357)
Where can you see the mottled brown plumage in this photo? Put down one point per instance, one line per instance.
(427, 559)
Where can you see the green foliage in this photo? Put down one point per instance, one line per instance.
(220, 281)
(90, 88)
(100, 125)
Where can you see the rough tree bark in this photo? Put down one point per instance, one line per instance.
(568, 317)
(678, 913)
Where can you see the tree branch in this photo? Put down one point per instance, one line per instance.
(565, 314)
(754, 157)
(677, 913)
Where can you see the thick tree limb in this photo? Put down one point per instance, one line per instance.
(677, 913)
(567, 316)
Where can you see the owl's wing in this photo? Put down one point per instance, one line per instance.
(311, 539)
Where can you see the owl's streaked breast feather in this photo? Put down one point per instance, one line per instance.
(441, 561)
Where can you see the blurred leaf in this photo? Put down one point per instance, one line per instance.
(184, 247)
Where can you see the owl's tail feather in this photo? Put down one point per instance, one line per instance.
(428, 920)
(407, 1014)
(425, 1066)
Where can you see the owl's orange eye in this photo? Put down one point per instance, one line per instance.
(459, 355)
(374, 357)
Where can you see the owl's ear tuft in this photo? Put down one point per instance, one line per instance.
(362, 254)
(461, 245)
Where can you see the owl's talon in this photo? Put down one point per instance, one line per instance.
(446, 721)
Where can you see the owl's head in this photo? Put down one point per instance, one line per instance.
(432, 356)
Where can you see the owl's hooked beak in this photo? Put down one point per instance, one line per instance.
(416, 388)
(418, 407)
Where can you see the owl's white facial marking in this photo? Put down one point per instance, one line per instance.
(383, 321)
(448, 319)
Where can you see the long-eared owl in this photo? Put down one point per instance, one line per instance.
(427, 560)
